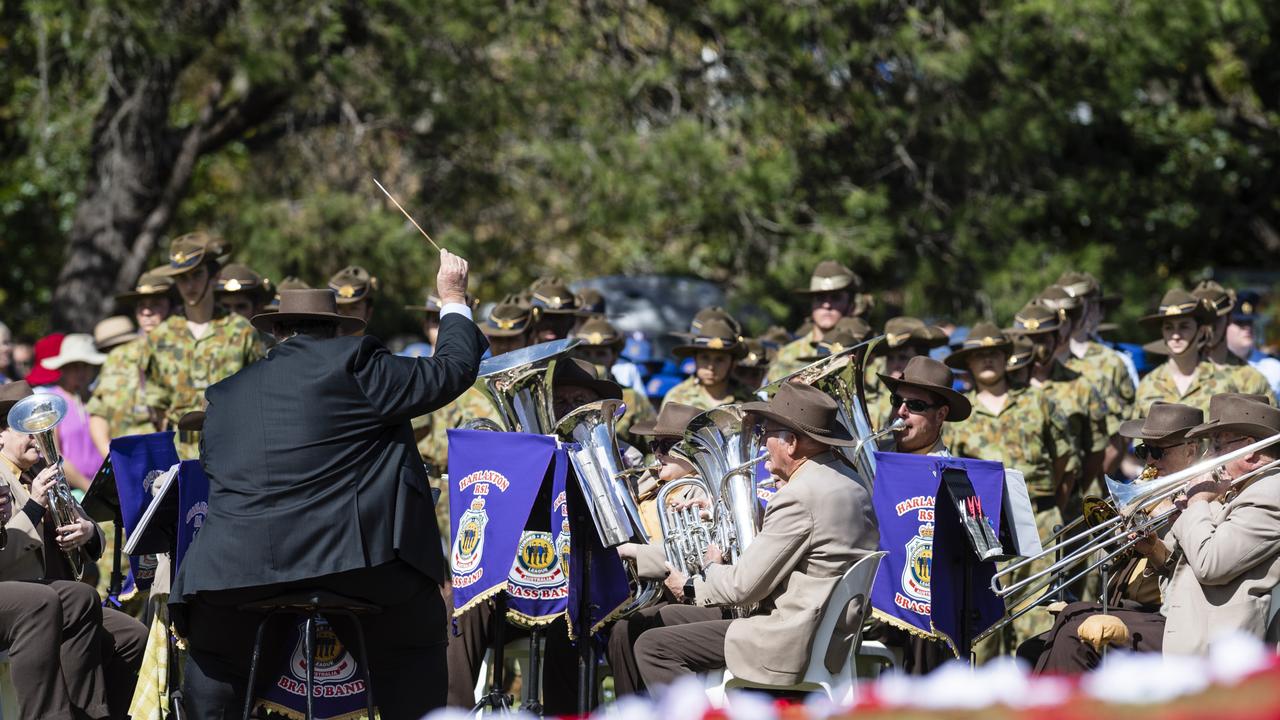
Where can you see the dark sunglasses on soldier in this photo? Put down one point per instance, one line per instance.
(1148, 451)
(915, 406)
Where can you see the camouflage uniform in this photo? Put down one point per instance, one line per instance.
(1085, 410)
(1103, 369)
(178, 367)
(1158, 384)
(433, 439)
(788, 360)
(690, 392)
(118, 398)
(1028, 434)
(1248, 379)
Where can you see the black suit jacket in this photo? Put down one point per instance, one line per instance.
(312, 464)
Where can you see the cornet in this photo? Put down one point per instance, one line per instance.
(37, 415)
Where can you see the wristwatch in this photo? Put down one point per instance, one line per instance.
(688, 590)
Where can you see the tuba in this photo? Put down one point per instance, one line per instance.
(590, 436)
(37, 415)
(840, 375)
(519, 385)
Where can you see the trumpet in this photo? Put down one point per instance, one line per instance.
(37, 415)
(1137, 512)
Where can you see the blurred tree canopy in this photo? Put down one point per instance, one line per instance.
(958, 155)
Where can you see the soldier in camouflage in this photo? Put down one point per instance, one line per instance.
(557, 309)
(904, 338)
(118, 406)
(1185, 323)
(185, 355)
(1019, 427)
(831, 293)
(354, 288)
(715, 349)
(1247, 379)
(1070, 392)
(600, 344)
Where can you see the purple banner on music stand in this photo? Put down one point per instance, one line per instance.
(918, 589)
(136, 461)
(538, 585)
(338, 691)
(608, 588)
(193, 506)
(495, 479)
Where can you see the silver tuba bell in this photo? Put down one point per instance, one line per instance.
(37, 415)
(840, 375)
(519, 385)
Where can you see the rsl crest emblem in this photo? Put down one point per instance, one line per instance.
(537, 562)
(468, 545)
(916, 571)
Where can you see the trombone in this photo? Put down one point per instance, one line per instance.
(1136, 516)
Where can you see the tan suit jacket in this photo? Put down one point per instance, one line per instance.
(23, 556)
(1230, 563)
(815, 528)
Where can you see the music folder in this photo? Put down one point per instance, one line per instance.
(101, 502)
(157, 529)
(1018, 532)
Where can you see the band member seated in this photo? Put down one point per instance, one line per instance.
(816, 526)
(101, 648)
(664, 433)
(1133, 592)
(715, 349)
(573, 385)
(31, 632)
(315, 484)
(1227, 538)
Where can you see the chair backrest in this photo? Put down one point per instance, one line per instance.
(841, 626)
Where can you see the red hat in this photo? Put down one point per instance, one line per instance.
(46, 347)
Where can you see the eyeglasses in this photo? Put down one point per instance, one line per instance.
(1145, 451)
(915, 406)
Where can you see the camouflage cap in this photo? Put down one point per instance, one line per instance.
(598, 332)
(238, 278)
(509, 319)
(831, 276)
(190, 251)
(1179, 303)
(717, 335)
(352, 284)
(150, 284)
(983, 336)
(1222, 299)
(553, 296)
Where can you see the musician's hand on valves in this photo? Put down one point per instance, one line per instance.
(675, 582)
(703, 504)
(74, 535)
(713, 555)
(451, 280)
(43, 482)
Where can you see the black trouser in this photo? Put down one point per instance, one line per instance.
(1064, 652)
(69, 657)
(406, 641)
(474, 637)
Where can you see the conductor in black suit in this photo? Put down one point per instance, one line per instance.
(315, 483)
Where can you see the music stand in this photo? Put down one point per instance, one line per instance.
(957, 501)
(157, 529)
(102, 504)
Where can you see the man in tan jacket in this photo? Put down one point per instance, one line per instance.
(1229, 534)
(816, 527)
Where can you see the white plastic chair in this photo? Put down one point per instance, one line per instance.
(8, 696)
(834, 635)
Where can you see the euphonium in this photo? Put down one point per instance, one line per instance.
(519, 385)
(685, 532)
(37, 415)
(606, 486)
(840, 375)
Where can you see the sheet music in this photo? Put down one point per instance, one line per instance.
(1017, 507)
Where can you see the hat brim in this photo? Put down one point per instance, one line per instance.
(958, 359)
(615, 344)
(837, 436)
(737, 350)
(266, 320)
(1156, 347)
(171, 271)
(809, 291)
(1200, 316)
(134, 295)
(959, 404)
(42, 376)
(57, 362)
(495, 332)
(1132, 429)
(1253, 430)
(116, 341)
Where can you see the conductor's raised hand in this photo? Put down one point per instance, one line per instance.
(451, 280)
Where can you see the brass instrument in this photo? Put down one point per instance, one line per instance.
(841, 375)
(1139, 509)
(725, 449)
(686, 534)
(519, 385)
(37, 415)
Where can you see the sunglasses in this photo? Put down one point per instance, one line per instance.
(1148, 451)
(915, 406)
(662, 446)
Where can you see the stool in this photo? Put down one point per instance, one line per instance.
(310, 604)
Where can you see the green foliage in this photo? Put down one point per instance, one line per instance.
(961, 154)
